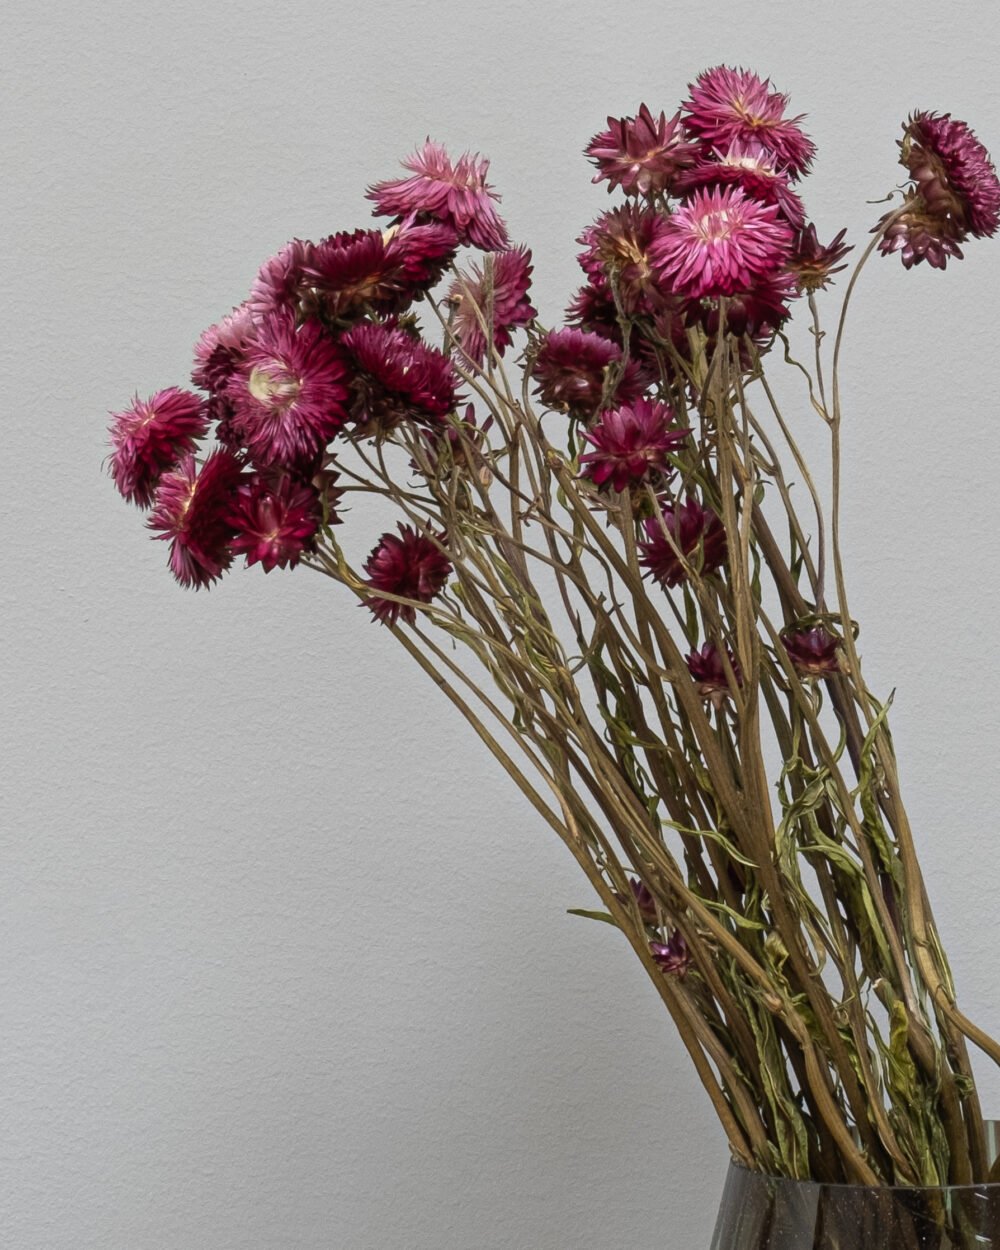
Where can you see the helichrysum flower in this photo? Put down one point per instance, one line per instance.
(720, 242)
(192, 510)
(410, 565)
(619, 247)
(495, 295)
(757, 312)
(728, 105)
(812, 263)
(278, 285)
(422, 250)
(221, 350)
(276, 519)
(290, 393)
(673, 956)
(708, 669)
(570, 370)
(641, 154)
(455, 193)
(814, 652)
(350, 273)
(695, 531)
(398, 377)
(150, 436)
(631, 444)
(752, 167)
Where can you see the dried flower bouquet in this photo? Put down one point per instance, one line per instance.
(601, 561)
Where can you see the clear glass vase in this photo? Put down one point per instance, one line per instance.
(760, 1212)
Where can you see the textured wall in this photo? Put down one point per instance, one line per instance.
(285, 960)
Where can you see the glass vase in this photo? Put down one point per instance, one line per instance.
(760, 1212)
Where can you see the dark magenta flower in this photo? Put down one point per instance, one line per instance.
(276, 519)
(150, 437)
(757, 312)
(398, 378)
(421, 250)
(290, 393)
(571, 367)
(221, 350)
(455, 193)
(708, 670)
(720, 242)
(812, 263)
(410, 565)
(351, 273)
(192, 511)
(814, 652)
(278, 285)
(641, 154)
(618, 254)
(695, 531)
(729, 105)
(673, 956)
(499, 295)
(631, 444)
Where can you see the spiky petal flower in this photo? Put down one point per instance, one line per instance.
(422, 250)
(696, 532)
(290, 393)
(708, 669)
(728, 105)
(674, 957)
(752, 167)
(917, 235)
(632, 443)
(222, 349)
(497, 293)
(814, 652)
(719, 242)
(455, 193)
(278, 284)
(398, 377)
(571, 369)
(349, 273)
(192, 512)
(952, 171)
(641, 154)
(150, 436)
(276, 519)
(618, 255)
(412, 566)
(812, 263)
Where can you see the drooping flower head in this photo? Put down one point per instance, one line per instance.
(278, 284)
(150, 436)
(674, 957)
(754, 168)
(619, 254)
(696, 532)
(720, 242)
(497, 293)
(290, 393)
(192, 510)
(455, 193)
(814, 652)
(641, 154)
(632, 444)
(410, 565)
(397, 377)
(813, 264)
(708, 669)
(276, 519)
(729, 105)
(571, 369)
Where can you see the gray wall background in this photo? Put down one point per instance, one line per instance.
(285, 960)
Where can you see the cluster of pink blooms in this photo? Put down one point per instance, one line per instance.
(326, 349)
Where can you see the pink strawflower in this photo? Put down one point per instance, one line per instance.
(619, 250)
(191, 511)
(696, 531)
(222, 349)
(709, 671)
(674, 957)
(454, 193)
(290, 393)
(727, 105)
(278, 285)
(814, 652)
(398, 378)
(571, 370)
(812, 263)
(641, 154)
(752, 167)
(150, 437)
(411, 566)
(421, 250)
(351, 273)
(720, 242)
(276, 519)
(632, 444)
(497, 294)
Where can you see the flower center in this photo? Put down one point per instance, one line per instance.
(274, 386)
